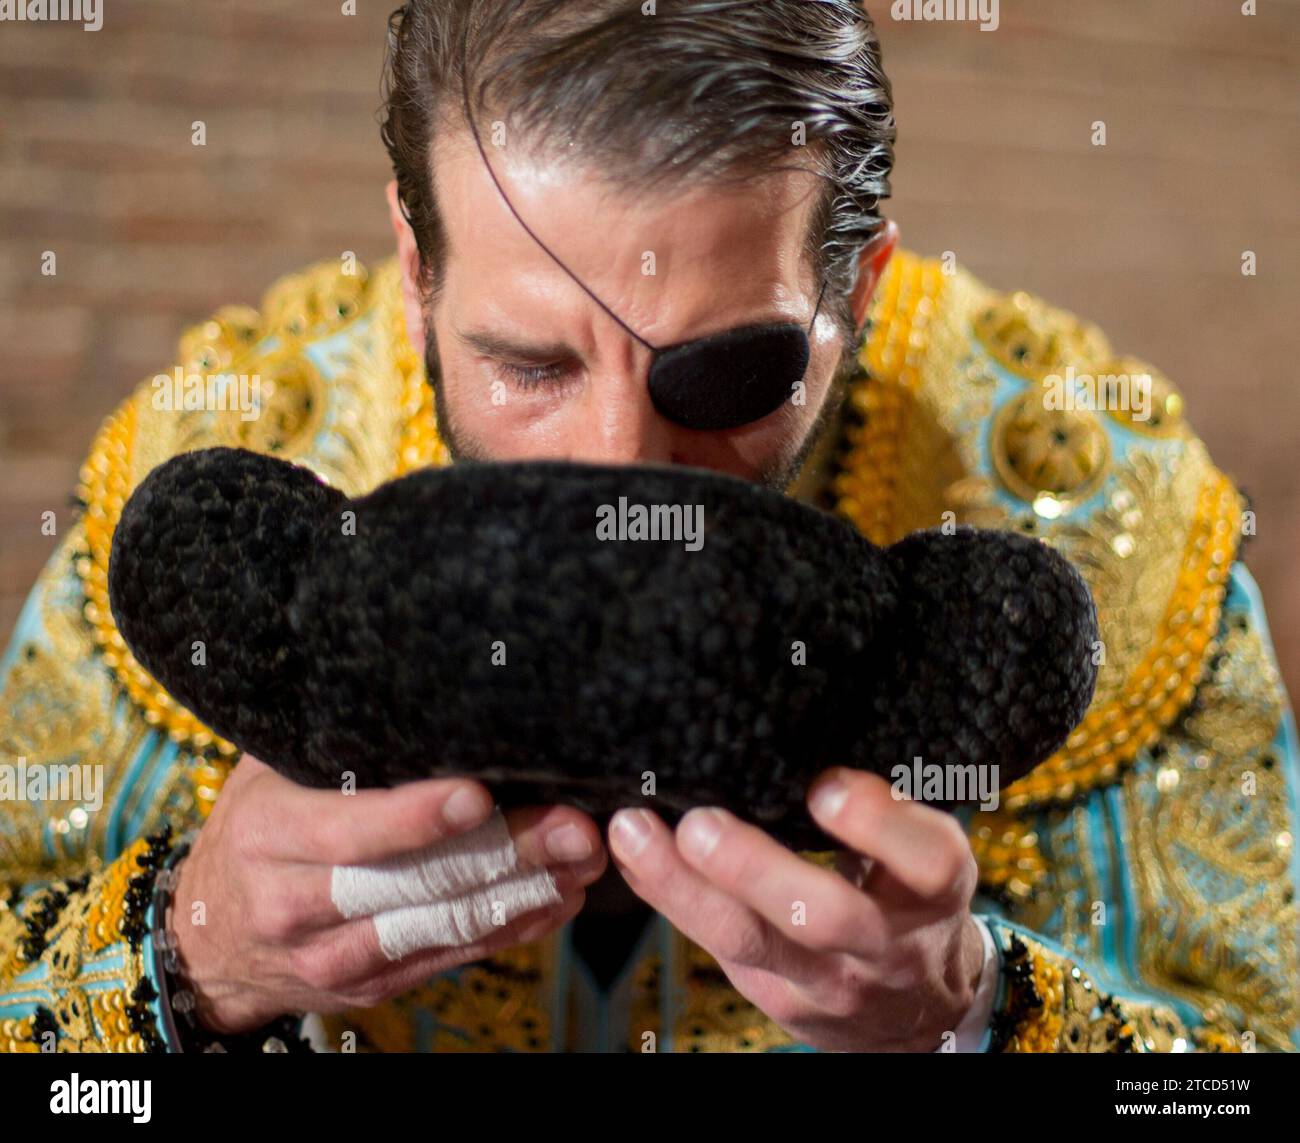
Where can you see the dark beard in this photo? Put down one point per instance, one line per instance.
(781, 474)
(778, 476)
(458, 446)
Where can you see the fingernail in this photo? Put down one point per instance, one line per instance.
(466, 807)
(829, 798)
(629, 830)
(700, 831)
(568, 843)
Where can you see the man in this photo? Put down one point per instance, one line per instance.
(579, 186)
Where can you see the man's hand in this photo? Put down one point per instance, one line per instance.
(888, 962)
(273, 940)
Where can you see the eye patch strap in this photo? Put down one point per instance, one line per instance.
(478, 143)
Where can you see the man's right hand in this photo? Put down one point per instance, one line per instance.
(273, 940)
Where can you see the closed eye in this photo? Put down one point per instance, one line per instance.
(527, 377)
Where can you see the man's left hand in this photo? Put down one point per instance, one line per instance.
(883, 955)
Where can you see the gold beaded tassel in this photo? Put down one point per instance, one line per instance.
(866, 487)
(104, 488)
(419, 445)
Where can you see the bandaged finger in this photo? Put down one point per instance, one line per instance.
(463, 920)
(447, 869)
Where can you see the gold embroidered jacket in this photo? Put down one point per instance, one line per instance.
(1139, 883)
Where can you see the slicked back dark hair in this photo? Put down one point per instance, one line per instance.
(653, 95)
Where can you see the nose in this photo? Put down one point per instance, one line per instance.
(617, 423)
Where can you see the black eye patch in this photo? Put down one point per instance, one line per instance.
(729, 379)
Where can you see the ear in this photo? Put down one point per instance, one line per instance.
(408, 259)
(871, 264)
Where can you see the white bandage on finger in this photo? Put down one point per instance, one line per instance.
(447, 869)
(463, 920)
(453, 893)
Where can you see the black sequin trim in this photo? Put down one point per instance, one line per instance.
(1023, 999)
(43, 1022)
(139, 890)
(140, 1017)
(39, 922)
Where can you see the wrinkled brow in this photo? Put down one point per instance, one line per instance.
(496, 345)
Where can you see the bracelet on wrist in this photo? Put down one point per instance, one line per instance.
(178, 999)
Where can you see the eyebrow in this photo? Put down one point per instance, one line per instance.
(495, 345)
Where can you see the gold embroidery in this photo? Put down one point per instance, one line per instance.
(1210, 846)
(1006, 850)
(12, 929)
(19, 1035)
(59, 706)
(1053, 1006)
(1064, 453)
(1079, 933)
(714, 1017)
(108, 1013)
(1165, 416)
(317, 301)
(500, 1004)
(1131, 551)
(207, 778)
(216, 344)
(869, 485)
(1031, 338)
(1217, 1040)
(83, 988)
(105, 486)
(371, 420)
(1044, 1033)
(420, 445)
(1239, 706)
(296, 401)
(643, 1007)
(1112, 732)
(1035, 340)
(106, 913)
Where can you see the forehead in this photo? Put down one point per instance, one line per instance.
(746, 238)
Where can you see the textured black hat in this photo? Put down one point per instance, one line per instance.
(484, 619)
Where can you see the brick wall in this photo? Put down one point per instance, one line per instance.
(1202, 107)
